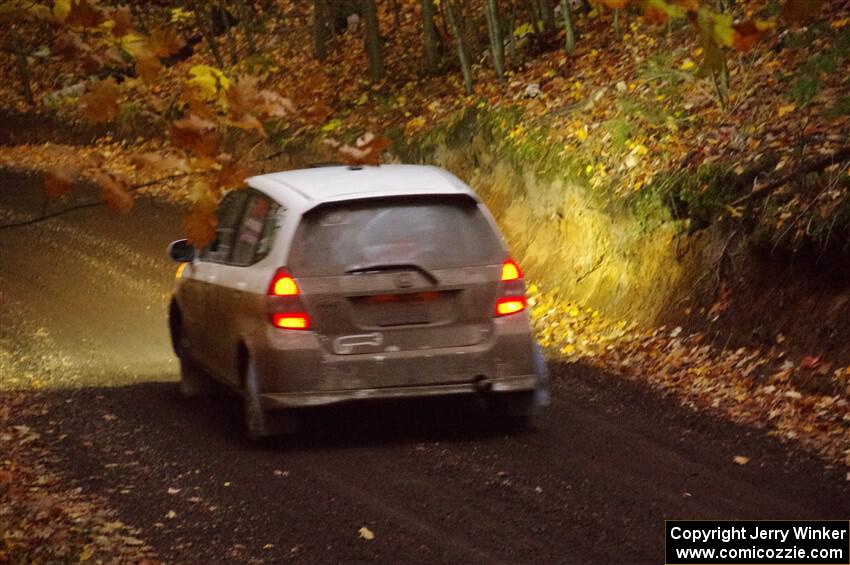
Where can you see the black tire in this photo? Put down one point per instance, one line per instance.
(255, 418)
(193, 380)
(516, 411)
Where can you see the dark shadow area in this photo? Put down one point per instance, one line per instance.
(340, 426)
(433, 479)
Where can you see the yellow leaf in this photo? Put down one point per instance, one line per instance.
(179, 15)
(366, 533)
(581, 133)
(208, 81)
(687, 65)
(722, 31)
(734, 211)
(786, 109)
(416, 123)
(332, 125)
(87, 552)
(134, 44)
(740, 460)
(61, 9)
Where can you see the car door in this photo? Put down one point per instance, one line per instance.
(240, 280)
(205, 278)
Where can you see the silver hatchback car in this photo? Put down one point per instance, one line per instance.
(340, 284)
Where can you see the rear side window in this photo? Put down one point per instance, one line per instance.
(229, 213)
(256, 231)
(430, 233)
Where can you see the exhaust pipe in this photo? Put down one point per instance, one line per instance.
(483, 384)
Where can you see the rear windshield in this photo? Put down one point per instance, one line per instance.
(431, 234)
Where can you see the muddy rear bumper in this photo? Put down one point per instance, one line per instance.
(273, 401)
(298, 369)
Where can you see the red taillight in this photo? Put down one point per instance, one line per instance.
(510, 271)
(283, 285)
(510, 305)
(512, 300)
(292, 320)
(285, 306)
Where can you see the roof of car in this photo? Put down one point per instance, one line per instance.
(307, 188)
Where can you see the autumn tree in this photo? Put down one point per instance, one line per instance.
(494, 26)
(569, 27)
(372, 40)
(430, 38)
(203, 112)
(461, 44)
(321, 28)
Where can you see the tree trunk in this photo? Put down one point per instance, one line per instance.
(321, 28)
(227, 22)
(511, 38)
(373, 41)
(617, 33)
(569, 27)
(534, 15)
(204, 22)
(23, 67)
(721, 82)
(248, 19)
(394, 6)
(462, 50)
(547, 14)
(429, 31)
(496, 46)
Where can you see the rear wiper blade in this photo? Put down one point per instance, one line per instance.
(393, 267)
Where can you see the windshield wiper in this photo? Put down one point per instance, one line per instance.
(378, 267)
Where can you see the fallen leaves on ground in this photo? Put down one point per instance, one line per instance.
(44, 519)
(100, 103)
(750, 386)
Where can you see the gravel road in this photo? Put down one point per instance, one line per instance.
(83, 314)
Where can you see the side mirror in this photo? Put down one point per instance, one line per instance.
(181, 251)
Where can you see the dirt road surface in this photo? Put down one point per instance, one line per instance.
(83, 315)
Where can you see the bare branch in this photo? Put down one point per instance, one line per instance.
(94, 204)
(811, 167)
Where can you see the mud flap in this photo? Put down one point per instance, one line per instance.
(542, 396)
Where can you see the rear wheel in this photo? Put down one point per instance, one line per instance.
(256, 419)
(516, 411)
(193, 380)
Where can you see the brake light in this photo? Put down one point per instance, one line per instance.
(510, 271)
(286, 308)
(512, 300)
(510, 305)
(283, 285)
(292, 320)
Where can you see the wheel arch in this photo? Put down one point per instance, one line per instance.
(243, 355)
(175, 324)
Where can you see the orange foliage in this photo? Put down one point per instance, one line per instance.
(100, 103)
(59, 180)
(83, 14)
